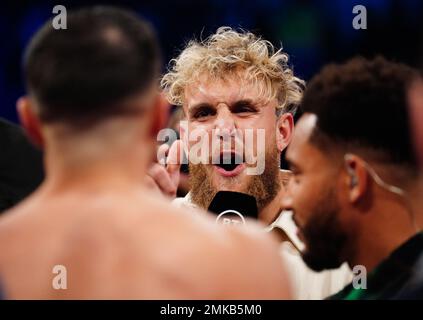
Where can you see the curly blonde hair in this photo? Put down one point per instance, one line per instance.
(227, 52)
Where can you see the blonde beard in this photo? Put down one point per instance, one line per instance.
(263, 188)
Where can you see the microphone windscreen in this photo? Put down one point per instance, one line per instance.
(242, 203)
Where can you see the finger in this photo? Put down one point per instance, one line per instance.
(162, 152)
(175, 161)
(162, 179)
(174, 158)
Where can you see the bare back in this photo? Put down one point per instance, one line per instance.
(132, 245)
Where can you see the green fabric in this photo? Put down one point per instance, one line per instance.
(390, 276)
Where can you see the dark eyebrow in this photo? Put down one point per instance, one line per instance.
(199, 106)
(244, 102)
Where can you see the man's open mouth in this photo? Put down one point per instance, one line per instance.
(228, 167)
(230, 164)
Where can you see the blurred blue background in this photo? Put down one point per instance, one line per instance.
(312, 32)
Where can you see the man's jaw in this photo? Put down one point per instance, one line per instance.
(299, 232)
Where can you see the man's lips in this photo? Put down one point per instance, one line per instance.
(230, 164)
(238, 169)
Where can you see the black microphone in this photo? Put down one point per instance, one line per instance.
(233, 207)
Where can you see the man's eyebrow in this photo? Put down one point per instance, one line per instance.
(199, 105)
(233, 104)
(244, 102)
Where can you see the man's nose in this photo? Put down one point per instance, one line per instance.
(286, 203)
(286, 199)
(224, 124)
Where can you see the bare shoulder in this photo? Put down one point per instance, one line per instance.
(15, 222)
(234, 262)
(260, 272)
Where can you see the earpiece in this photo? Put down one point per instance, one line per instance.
(353, 175)
(378, 180)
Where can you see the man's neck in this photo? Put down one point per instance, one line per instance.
(376, 244)
(107, 175)
(272, 211)
(90, 166)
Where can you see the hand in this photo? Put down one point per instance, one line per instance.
(164, 177)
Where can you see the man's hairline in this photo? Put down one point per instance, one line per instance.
(337, 150)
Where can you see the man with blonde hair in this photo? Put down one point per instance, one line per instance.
(227, 84)
(231, 83)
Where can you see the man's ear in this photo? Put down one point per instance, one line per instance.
(30, 121)
(159, 116)
(356, 178)
(284, 130)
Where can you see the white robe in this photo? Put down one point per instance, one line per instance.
(306, 284)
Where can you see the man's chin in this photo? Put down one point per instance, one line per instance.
(319, 263)
(207, 180)
(222, 181)
(231, 172)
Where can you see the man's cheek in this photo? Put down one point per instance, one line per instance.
(301, 202)
(255, 151)
(308, 207)
(199, 142)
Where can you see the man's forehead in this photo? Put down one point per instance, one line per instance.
(302, 132)
(305, 126)
(215, 90)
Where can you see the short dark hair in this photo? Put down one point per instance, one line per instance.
(363, 103)
(105, 55)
